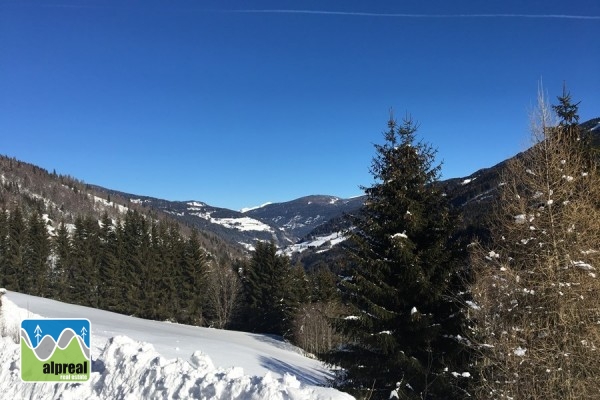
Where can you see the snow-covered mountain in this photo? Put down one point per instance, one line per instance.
(298, 218)
(134, 358)
(284, 223)
(294, 225)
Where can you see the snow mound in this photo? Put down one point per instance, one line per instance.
(125, 368)
(129, 369)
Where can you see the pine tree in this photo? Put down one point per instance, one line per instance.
(14, 263)
(405, 317)
(567, 111)
(193, 283)
(171, 276)
(3, 245)
(271, 299)
(109, 274)
(63, 264)
(37, 251)
(162, 280)
(85, 261)
(135, 234)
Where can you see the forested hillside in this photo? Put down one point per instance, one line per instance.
(63, 198)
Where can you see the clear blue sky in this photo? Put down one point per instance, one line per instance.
(206, 100)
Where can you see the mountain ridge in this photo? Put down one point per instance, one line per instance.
(297, 222)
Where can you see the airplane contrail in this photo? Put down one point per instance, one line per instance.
(401, 15)
(352, 13)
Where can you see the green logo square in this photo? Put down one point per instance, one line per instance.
(55, 350)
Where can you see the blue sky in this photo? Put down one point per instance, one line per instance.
(238, 103)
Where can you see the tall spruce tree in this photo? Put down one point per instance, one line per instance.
(109, 274)
(37, 252)
(193, 282)
(3, 244)
(271, 297)
(63, 265)
(405, 320)
(85, 257)
(14, 261)
(135, 241)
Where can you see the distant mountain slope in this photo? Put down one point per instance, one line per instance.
(473, 195)
(299, 217)
(297, 225)
(284, 223)
(62, 198)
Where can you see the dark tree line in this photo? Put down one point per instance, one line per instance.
(136, 266)
(147, 268)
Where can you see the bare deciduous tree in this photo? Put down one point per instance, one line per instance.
(223, 294)
(536, 311)
(313, 329)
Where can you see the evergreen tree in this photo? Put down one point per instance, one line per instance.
(134, 236)
(62, 267)
(37, 251)
(193, 283)
(14, 263)
(567, 111)
(83, 281)
(109, 274)
(3, 245)
(270, 295)
(162, 281)
(402, 284)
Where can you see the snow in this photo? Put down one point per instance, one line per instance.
(400, 235)
(463, 375)
(241, 224)
(520, 219)
(467, 181)
(134, 358)
(583, 265)
(246, 209)
(519, 352)
(122, 209)
(331, 239)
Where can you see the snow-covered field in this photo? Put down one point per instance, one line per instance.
(317, 242)
(134, 358)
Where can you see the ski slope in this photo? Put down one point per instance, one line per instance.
(134, 358)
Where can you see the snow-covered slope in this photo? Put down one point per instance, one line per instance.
(138, 359)
(321, 244)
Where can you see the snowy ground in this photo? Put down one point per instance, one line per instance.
(134, 358)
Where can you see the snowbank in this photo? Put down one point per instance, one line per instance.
(130, 369)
